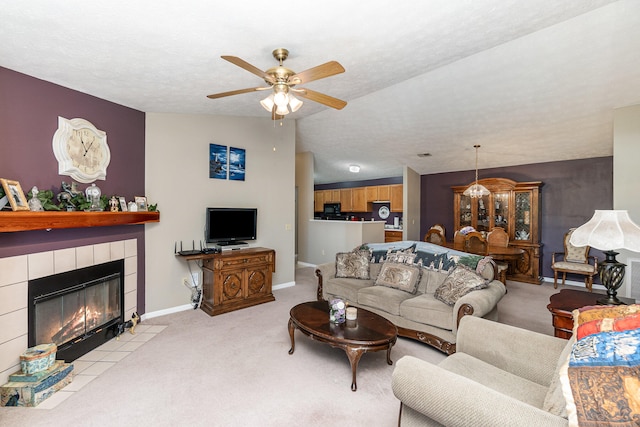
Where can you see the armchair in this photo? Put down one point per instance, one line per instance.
(500, 375)
(575, 260)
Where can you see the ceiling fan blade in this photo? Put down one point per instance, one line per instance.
(327, 100)
(237, 92)
(328, 69)
(250, 68)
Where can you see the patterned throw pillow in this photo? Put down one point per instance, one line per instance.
(401, 276)
(353, 265)
(460, 281)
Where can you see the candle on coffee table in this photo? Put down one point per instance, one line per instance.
(352, 313)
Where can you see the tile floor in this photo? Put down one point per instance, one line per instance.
(88, 367)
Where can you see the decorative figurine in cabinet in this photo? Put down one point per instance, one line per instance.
(514, 206)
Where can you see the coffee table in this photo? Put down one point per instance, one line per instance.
(369, 332)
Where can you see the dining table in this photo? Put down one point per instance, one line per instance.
(508, 254)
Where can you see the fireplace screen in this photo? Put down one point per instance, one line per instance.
(71, 307)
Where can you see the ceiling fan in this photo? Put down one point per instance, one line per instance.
(282, 81)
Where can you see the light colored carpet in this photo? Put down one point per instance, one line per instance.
(235, 370)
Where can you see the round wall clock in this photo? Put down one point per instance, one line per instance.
(81, 150)
(383, 212)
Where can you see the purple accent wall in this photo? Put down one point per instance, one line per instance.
(571, 192)
(29, 110)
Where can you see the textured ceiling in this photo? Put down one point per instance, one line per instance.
(530, 80)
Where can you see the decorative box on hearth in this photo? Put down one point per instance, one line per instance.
(38, 358)
(31, 390)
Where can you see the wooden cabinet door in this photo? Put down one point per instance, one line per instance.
(318, 201)
(345, 200)
(358, 199)
(371, 193)
(397, 204)
(258, 281)
(334, 196)
(384, 193)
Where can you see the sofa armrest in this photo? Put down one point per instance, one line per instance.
(453, 400)
(524, 353)
(481, 301)
(324, 272)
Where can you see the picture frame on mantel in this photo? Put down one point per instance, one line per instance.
(15, 195)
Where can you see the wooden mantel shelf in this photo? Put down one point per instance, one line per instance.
(26, 220)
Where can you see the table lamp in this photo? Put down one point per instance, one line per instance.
(608, 231)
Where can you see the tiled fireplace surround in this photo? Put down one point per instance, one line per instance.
(16, 271)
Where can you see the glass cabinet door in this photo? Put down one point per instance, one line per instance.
(501, 210)
(523, 216)
(484, 214)
(465, 210)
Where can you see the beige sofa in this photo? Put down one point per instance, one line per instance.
(499, 376)
(420, 315)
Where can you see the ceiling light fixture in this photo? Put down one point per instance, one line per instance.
(354, 168)
(284, 101)
(476, 190)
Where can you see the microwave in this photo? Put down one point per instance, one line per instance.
(331, 209)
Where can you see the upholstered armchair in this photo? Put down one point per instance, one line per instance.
(575, 260)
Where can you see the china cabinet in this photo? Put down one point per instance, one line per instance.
(514, 206)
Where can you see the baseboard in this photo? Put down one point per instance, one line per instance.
(283, 286)
(304, 264)
(573, 283)
(166, 311)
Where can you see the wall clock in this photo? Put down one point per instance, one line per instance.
(383, 212)
(81, 150)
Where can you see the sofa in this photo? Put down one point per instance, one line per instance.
(431, 310)
(501, 375)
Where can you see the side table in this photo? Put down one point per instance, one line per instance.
(563, 303)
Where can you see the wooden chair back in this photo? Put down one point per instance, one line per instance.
(434, 236)
(441, 229)
(458, 239)
(476, 243)
(498, 237)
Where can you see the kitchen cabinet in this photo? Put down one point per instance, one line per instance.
(384, 193)
(318, 201)
(514, 206)
(345, 200)
(359, 200)
(371, 193)
(392, 236)
(395, 193)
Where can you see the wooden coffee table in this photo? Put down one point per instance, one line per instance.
(369, 332)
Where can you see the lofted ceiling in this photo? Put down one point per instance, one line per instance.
(529, 80)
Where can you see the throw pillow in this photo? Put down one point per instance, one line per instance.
(404, 277)
(353, 265)
(460, 281)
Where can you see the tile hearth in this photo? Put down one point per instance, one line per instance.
(88, 367)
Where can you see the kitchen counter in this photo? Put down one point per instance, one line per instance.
(328, 237)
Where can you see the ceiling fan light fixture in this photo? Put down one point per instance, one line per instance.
(268, 103)
(294, 103)
(282, 109)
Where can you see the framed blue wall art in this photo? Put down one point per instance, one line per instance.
(237, 163)
(218, 161)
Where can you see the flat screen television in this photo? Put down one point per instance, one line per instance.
(231, 226)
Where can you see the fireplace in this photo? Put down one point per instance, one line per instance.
(78, 310)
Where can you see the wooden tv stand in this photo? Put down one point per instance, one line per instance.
(236, 279)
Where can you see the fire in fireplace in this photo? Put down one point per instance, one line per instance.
(78, 310)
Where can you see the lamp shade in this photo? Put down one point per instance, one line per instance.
(607, 231)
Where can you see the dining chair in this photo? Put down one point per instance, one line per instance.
(476, 243)
(499, 237)
(575, 260)
(458, 240)
(434, 236)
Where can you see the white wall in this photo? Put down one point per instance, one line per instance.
(626, 178)
(411, 204)
(304, 184)
(177, 178)
(330, 237)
